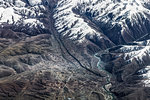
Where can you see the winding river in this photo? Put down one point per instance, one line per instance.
(108, 80)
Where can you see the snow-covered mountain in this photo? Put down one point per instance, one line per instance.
(119, 20)
(134, 58)
(22, 13)
(123, 25)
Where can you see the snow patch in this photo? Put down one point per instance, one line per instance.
(146, 77)
(8, 15)
(69, 24)
(35, 2)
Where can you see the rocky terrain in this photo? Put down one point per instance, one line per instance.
(74, 50)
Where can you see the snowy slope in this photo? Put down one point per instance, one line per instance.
(141, 54)
(70, 24)
(107, 14)
(128, 19)
(17, 11)
(135, 59)
(146, 75)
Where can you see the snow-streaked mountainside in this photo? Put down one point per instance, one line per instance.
(109, 15)
(121, 21)
(78, 19)
(138, 52)
(17, 12)
(70, 24)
